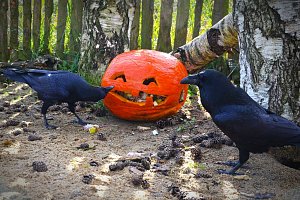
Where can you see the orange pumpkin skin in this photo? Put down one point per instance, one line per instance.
(147, 85)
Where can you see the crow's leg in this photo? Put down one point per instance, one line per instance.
(45, 107)
(72, 109)
(243, 157)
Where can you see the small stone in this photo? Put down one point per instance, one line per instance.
(201, 174)
(1, 108)
(146, 163)
(25, 87)
(101, 136)
(87, 179)
(94, 164)
(9, 111)
(27, 130)
(12, 122)
(137, 179)
(199, 138)
(177, 144)
(187, 170)
(25, 124)
(64, 110)
(55, 108)
(84, 146)
(39, 166)
(17, 131)
(6, 104)
(117, 166)
(53, 137)
(33, 137)
(212, 143)
(145, 184)
(196, 153)
(23, 108)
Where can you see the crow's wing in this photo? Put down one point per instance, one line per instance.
(256, 131)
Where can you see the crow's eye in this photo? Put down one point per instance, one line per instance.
(149, 80)
(121, 76)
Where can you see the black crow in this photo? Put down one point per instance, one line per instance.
(56, 87)
(252, 128)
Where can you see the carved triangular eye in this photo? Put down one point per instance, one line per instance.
(122, 76)
(149, 80)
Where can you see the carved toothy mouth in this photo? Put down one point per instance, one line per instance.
(156, 99)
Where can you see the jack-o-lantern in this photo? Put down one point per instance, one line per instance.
(146, 85)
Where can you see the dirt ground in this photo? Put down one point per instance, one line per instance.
(75, 173)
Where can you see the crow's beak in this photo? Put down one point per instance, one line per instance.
(193, 80)
(109, 88)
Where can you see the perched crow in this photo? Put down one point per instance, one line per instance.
(252, 128)
(56, 87)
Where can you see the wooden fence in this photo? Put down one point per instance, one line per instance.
(26, 29)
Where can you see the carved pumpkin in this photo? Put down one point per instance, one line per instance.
(147, 85)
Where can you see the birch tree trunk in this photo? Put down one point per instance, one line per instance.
(269, 38)
(106, 32)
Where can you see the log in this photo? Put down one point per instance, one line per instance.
(222, 37)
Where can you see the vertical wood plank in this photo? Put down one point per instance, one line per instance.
(183, 7)
(61, 27)
(220, 10)
(14, 22)
(48, 14)
(147, 24)
(3, 31)
(197, 20)
(27, 29)
(36, 25)
(164, 38)
(135, 27)
(76, 25)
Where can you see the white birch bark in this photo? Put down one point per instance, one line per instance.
(106, 32)
(269, 41)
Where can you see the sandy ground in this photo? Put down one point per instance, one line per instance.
(178, 177)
